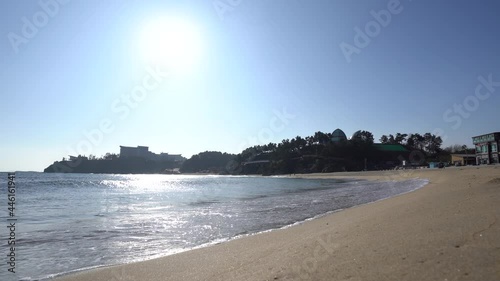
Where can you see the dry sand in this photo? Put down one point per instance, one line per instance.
(447, 230)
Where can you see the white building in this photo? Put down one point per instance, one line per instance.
(143, 152)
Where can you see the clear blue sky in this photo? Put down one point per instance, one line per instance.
(251, 60)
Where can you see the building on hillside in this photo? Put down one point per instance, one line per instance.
(139, 152)
(165, 157)
(338, 135)
(391, 155)
(463, 159)
(487, 148)
(144, 153)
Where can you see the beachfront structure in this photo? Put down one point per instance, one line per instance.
(463, 159)
(390, 155)
(144, 153)
(487, 148)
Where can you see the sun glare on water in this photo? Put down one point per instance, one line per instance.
(173, 43)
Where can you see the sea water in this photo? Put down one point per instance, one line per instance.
(71, 222)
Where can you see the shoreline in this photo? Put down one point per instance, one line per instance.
(242, 236)
(236, 258)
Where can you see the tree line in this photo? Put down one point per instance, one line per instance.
(107, 156)
(427, 142)
(320, 153)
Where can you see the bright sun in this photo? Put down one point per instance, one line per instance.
(172, 43)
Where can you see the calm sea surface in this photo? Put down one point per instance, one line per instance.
(70, 222)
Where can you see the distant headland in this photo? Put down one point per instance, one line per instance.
(321, 152)
(131, 160)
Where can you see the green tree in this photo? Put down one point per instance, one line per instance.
(400, 138)
(321, 138)
(362, 137)
(432, 143)
(212, 161)
(416, 141)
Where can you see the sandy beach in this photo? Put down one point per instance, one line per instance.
(447, 230)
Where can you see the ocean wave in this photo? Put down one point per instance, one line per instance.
(127, 226)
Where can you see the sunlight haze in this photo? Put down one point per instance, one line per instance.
(183, 77)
